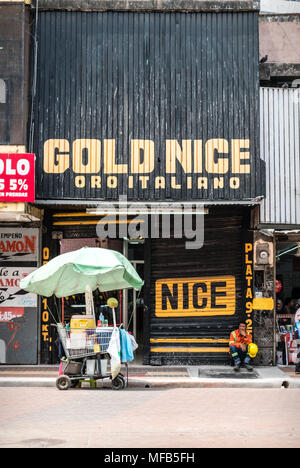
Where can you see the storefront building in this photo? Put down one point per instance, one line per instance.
(19, 224)
(142, 109)
(279, 225)
(278, 222)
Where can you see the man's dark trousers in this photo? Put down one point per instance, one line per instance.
(239, 356)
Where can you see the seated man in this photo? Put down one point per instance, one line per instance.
(238, 346)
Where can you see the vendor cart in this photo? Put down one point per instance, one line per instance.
(83, 271)
(87, 356)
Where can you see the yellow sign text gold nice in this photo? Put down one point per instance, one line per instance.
(194, 156)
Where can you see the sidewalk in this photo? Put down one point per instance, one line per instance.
(140, 376)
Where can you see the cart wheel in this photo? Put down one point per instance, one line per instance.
(118, 383)
(63, 382)
(121, 376)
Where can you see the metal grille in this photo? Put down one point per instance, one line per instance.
(81, 343)
(204, 338)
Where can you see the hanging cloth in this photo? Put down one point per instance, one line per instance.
(126, 346)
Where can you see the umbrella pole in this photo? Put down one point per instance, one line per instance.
(89, 303)
(62, 310)
(114, 317)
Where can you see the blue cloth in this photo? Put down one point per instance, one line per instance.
(126, 346)
(239, 356)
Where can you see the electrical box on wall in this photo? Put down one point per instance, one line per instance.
(263, 253)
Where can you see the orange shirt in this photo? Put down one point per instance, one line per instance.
(236, 339)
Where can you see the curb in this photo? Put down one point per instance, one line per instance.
(165, 383)
(195, 377)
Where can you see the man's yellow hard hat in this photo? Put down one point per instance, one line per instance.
(252, 350)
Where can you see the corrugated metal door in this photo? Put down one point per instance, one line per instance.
(280, 149)
(197, 296)
(152, 105)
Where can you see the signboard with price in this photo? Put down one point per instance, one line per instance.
(19, 249)
(17, 177)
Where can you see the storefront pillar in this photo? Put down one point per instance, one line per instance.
(125, 292)
(264, 298)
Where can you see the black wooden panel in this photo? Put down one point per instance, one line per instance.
(222, 256)
(109, 78)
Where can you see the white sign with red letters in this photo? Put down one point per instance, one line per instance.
(19, 245)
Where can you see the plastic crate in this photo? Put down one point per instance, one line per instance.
(71, 367)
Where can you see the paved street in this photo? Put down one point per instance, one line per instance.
(133, 418)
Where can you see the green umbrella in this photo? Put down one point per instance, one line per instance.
(82, 270)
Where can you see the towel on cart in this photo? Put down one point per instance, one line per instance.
(126, 346)
(114, 352)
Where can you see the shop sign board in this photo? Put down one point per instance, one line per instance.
(18, 339)
(19, 249)
(18, 244)
(195, 297)
(11, 295)
(170, 114)
(8, 314)
(17, 177)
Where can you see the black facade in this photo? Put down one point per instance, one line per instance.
(66, 230)
(197, 297)
(155, 106)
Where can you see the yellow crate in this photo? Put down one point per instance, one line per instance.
(82, 322)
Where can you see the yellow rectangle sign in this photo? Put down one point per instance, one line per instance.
(263, 303)
(195, 297)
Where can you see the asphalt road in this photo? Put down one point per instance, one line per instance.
(134, 418)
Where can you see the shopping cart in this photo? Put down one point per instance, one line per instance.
(86, 356)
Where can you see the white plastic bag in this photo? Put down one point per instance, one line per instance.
(115, 352)
(134, 343)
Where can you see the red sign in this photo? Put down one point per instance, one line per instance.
(7, 314)
(278, 286)
(17, 177)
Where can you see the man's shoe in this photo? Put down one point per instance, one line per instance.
(237, 367)
(249, 368)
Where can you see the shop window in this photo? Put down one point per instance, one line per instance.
(259, 283)
(296, 266)
(2, 352)
(2, 91)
